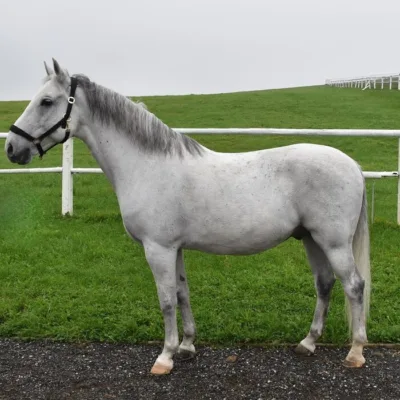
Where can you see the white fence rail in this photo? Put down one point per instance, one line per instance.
(391, 81)
(67, 169)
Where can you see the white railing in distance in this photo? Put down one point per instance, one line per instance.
(68, 169)
(392, 81)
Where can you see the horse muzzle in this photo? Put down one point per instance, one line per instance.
(22, 157)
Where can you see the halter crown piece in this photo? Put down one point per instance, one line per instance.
(63, 123)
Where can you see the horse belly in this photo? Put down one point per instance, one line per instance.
(238, 240)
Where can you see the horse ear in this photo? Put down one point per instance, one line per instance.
(62, 74)
(49, 71)
(57, 68)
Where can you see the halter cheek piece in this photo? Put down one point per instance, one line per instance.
(63, 123)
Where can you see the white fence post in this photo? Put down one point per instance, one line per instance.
(67, 179)
(398, 187)
(390, 83)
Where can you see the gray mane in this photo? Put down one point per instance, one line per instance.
(147, 132)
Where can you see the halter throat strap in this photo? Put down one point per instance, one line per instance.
(63, 123)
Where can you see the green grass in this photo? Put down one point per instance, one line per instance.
(82, 278)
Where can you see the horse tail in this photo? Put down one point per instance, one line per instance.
(361, 252)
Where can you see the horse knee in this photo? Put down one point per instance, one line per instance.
(168, 307)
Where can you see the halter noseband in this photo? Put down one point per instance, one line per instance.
(63, 123)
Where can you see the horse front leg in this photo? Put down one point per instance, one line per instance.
(162, 262)
(186, 348)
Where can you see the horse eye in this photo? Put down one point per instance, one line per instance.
(46, 102)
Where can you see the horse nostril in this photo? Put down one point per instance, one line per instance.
(10, 150)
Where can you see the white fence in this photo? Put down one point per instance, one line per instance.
(67, 169)
(391, 81)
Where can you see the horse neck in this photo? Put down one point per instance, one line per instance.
(122, 162)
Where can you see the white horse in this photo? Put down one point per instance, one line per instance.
(176, 194)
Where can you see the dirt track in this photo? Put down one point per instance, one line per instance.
(45, 370)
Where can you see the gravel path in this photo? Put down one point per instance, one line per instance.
(45, 370)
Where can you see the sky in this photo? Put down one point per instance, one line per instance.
(161, 47)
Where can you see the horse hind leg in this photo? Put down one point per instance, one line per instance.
(344, 267)
(324, 281)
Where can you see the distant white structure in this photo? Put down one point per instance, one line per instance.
(390, 81)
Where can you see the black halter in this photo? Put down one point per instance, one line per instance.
(63, 123)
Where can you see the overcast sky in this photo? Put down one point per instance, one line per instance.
(151, 47)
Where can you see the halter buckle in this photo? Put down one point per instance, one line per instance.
(67, 124)
(71, 100)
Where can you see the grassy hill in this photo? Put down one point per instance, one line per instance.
(81, 278)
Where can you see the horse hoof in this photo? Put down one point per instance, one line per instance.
(303, 351)
(160, 369)
(353, 363)
(185, 355)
